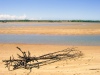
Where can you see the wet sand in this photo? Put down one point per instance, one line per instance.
(89, 64)
(71, 29)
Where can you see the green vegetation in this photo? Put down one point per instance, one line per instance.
(4, 21)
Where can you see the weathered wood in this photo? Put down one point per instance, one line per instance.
(23, 61)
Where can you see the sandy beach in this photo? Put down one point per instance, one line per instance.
(88, 64)
(66, 28)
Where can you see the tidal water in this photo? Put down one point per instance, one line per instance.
(87, 40)
(39, 24)
(31, 24)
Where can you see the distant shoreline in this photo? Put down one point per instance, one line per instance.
(4, 21)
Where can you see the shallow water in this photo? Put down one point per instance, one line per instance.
(39, 24)
(30, 24)
(87, 40)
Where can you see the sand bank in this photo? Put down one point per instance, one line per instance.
(66, 29)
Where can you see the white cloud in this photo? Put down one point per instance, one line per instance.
(35, 18)
(11, 17)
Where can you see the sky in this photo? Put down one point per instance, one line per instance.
(50, 9)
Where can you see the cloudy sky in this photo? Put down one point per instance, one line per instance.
(50, 9)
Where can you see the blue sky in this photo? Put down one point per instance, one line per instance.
(50, 9)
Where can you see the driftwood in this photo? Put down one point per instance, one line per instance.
(28, 62)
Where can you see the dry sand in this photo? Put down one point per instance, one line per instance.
(73, 29)
(89, 64)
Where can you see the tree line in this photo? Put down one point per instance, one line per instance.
(49, 21)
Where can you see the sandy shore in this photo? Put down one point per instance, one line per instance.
(89, 64)
(64, 29)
